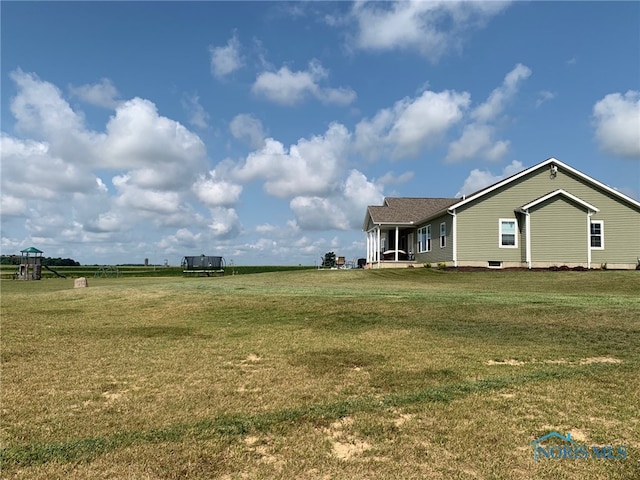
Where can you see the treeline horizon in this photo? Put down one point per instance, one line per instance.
(48, 261)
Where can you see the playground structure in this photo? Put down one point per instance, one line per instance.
(203, 264)
(107, 271)
(30, 264)
(57, 274)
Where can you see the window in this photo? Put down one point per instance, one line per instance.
(443, 235)
(596, 234)
(508, 237)
(424, 239)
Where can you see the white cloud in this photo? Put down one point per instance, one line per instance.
(131, 196)
(30, 171)
(412, 124)
(42, 113)
(102, 94)
(318, 213)
(616, 119)
(431, 28)
(286, 87)
(198, 116)
(544, 96)
(227, 59)
(249, 129)
(224, 223)
(213, 191)
(107, 222)
(11, 206)
(499, 97)
(160, 152)
(390, 178)
(266, 228)
(310, 167)
(425, 120)
(479, 179)
(182, 240)
(341, 211)
(477, 138)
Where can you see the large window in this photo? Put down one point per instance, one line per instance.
(508, 237)
(443, 235)
(424, 239)
(596, 234)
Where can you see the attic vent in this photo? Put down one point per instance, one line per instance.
(495, 264)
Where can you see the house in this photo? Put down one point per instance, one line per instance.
(547, 215)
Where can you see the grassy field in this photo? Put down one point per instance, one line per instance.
(394, 374)
(112, 271)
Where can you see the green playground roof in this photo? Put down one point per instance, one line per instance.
(31, 250)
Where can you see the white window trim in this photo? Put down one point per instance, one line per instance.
(419, 249)
(515, 240)
(427, 232)
(601, 222)
(443, 238)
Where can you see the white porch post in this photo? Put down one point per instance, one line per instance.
(378, 243)
(397, 243)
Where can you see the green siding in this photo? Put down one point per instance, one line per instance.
(477, 222)
(559, 232)
(437, 254)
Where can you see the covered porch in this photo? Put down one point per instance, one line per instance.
(390, 246)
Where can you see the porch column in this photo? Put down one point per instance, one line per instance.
(368, 235)
(397, 242)
(378, 243)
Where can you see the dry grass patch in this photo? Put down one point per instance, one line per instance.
(408, 374)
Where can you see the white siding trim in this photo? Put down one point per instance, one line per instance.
(454, 238)
(563, 193)
(527, 228)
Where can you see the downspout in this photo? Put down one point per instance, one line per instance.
(454, 237)
(527, 229)
(589, 214)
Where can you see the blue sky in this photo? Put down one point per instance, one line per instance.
(262, 131)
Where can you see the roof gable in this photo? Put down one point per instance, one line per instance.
(553, 162)
(563, 193)
(402, 210)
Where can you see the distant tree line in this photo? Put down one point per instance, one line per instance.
(48, 261)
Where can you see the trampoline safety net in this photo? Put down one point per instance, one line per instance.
(203, 262)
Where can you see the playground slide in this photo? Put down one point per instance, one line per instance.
(54, 272)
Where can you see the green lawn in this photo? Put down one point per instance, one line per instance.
(311, 374)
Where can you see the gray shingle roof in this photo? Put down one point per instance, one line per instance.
(407, 210)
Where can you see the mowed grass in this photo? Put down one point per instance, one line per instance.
(312, 374)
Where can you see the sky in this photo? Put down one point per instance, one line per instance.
(261, 131)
